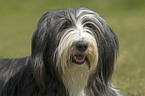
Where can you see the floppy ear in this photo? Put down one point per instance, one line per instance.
(107, 48)
(108, 52)
(43, 46)
(39, 43)
(38, 62)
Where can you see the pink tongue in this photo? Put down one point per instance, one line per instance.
(79, 58)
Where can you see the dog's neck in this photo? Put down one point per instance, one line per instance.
(75, 79)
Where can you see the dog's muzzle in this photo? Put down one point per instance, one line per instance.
(80, 57)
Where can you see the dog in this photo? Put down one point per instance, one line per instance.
(72, 54)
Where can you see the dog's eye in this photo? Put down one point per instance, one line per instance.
(89, 25)
(64, 26)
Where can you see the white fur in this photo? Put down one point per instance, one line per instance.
(75, 77)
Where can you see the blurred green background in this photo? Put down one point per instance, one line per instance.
(18, 19)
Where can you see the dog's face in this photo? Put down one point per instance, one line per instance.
(76, 43)
(77, 51)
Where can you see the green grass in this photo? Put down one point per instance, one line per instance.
(18, 19)
(129, 72)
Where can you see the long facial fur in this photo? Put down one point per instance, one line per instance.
(87, 26)
(75, 77)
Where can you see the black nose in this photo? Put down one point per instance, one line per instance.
(81, 46)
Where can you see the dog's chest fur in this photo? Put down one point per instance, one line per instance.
(75, 79)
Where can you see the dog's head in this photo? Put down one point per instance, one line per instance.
(75, 45)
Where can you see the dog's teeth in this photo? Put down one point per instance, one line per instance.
(79, 58)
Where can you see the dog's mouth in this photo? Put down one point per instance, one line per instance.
(79, 59)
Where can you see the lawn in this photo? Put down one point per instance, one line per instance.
(18, 19)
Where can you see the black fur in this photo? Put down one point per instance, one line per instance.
(37, 75)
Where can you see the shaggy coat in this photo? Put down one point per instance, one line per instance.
(40, 74)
